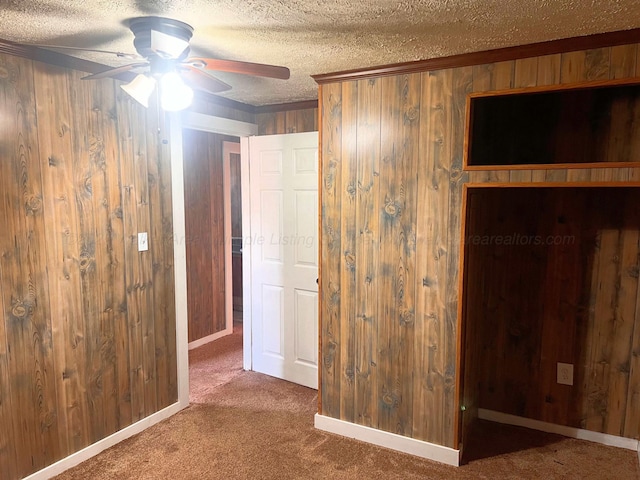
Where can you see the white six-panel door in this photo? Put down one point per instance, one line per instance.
(283, 243)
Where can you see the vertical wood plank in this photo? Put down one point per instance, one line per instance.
(549, 70)
(291, 121)
(128, 145)
(625, 307)
(462, 84)
(166, 271)
(308, 120)
(85, 184)
(562, 308)
(157, 239)
(623, 61)
(266, 124)
(62, 252)
(332, 248)
(114, 157)
(103, 152)
(432, 236)
(349, 188)
(602, 320)
(573, 67)
(632, 417)
(33, 264)
(8, 441)
(526, 72)
(597, 63)
(367, 249)
(396, 309)
(144, 274)
(18, 354)
(280, 122)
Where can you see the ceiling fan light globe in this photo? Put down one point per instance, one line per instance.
(140, 89)
(174, 94)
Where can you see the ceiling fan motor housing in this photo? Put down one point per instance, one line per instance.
(142, 27)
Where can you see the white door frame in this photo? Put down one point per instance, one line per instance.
(227, 149)
(211, 124)
(247, 238)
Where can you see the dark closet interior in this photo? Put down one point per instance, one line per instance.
(551, 275)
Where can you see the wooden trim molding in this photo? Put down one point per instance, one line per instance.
(587, 42)
(546, 166)
(285, 107)
(320, 282)
(588, 184)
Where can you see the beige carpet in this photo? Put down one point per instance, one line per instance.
(256, 427)
(215, 364)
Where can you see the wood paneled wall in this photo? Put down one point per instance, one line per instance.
(203, 104)
(205, 232)
(87, 323)
(552, 276)
(391, 232)
(289, 121)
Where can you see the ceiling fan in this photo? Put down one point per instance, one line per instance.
(163, 51)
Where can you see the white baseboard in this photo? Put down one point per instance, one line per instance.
(597, 437)
(92, 450)
(210, 338)
(427, 450)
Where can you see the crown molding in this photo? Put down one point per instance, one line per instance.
(284, 107)
(587, 42)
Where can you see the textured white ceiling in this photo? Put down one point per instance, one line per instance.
(315, 36)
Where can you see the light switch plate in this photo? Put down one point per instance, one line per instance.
(143, 242)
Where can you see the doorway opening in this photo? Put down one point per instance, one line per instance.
(212, 262)
(549, 326)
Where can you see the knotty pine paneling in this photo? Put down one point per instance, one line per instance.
(289, 121)
(376, 369)
(205, 233)
(87, 324)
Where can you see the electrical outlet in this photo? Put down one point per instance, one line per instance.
(565, 373)
(143, 242)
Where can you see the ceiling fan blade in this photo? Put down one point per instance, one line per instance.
(201, 80)
(245, 68)
(131, 56)
(112, 72)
